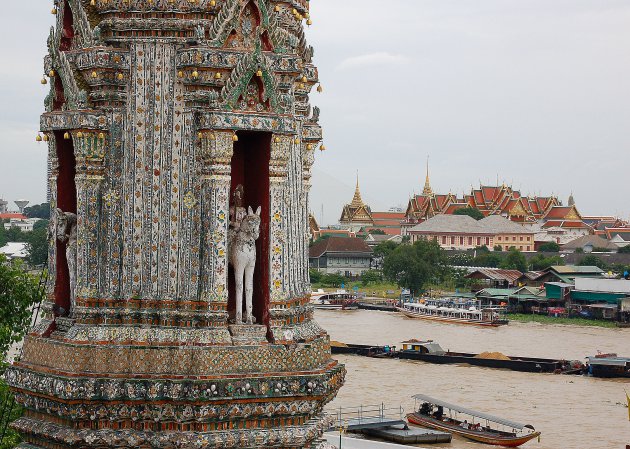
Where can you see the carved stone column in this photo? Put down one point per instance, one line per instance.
(217, 148)
(90, 150)
(280, 149)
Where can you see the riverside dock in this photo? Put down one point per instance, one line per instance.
(385, 423)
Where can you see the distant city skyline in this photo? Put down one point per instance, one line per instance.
(534, 92)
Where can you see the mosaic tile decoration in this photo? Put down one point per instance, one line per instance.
(146, 100)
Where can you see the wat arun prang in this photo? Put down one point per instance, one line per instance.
(159, 110)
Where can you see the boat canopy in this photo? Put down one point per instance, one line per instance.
(610, 361)
(467, 411)
(434, 348)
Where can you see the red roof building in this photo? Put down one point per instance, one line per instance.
(12, 216)
(349, 257)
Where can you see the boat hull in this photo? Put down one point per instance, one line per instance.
(479, 436)
(609, 372)
(527, 365)
(334, 306)
(452, 320)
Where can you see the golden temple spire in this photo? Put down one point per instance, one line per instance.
(427, 191)
(357, 201)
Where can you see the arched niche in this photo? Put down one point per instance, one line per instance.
(67, 31)
(67, 202)
(250, 168)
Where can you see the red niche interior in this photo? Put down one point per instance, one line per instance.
(67, 32)
(250, 167)
(67, 202)
(59, 98)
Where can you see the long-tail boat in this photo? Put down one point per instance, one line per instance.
(477, 426)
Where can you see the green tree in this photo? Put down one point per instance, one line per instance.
(333, 280)
(593, 261)
(38, 211)
(549, 247)
(371, 277)
(471, 212)
(461, 260)
(315, 276)
(384, 249)
(490, 260)
(18, 292)
(15, 234)
(515, 260)
(498, 248)
(540, 262)
(3, 235)
(41, 224)
(624, 250)
(377, 232)
(11, 438)
(413, 266)
(37, 246)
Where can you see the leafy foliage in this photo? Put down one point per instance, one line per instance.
(371, 277)
(18, 292)
(593, 261)
(384, 249)
(461, 260)
(38, 211)
(549, 247)
(377, 232)
(3, 235)
(540, 262)
(498, 248)
(414, 266)
(333, 280)
(470, 211)
(37, 241)
(15, 234)
(37, 244)
(11, 438)
(515, 260)
(315, 276)
(490, 260)
(624, 250)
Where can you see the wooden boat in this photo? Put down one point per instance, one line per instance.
(363, 350)
(451, 310)
(484, 428)
(608, 366)
(339, 300)
(431, 352)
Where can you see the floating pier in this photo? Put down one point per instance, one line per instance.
(355, 443)
(413, 435)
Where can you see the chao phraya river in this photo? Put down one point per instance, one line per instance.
(572, 412)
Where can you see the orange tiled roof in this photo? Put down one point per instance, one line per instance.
(12, 215)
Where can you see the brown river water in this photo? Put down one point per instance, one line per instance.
(572, 412)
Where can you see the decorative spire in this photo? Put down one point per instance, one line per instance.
(571, 200)
(427, 191)
(356, 200)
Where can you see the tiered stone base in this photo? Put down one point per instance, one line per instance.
(251, 394)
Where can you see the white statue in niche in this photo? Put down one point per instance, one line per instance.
(66, 231)
(242, 236)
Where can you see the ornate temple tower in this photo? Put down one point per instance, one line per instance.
(158, 111)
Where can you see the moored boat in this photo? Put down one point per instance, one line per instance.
(431, 352)
(482, 427)
(451, 310)
(341, 300)
(608, 365)
(337, 347)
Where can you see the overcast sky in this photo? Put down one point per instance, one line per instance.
(535, 93)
